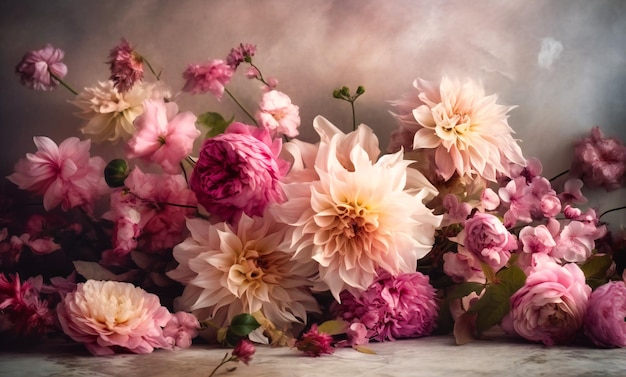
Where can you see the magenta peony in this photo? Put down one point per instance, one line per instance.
(551, 306)
(600, 161)
(126, 66)
(108, 316)
(604, 321)
(393, 307)
(314, 343)
(36, 67)
(238, 172)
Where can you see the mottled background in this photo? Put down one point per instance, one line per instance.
(562, 62)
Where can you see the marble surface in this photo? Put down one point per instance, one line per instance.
(433, 356)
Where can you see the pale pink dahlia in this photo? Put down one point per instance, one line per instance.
(605, 322)
(35, 68)
(108, 316)
(63, 174)
(242, 268)
(467, 130)
(351, 224)
(393, 307)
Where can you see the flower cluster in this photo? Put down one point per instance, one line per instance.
(237, 231)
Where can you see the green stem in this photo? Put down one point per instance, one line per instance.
(559, 175)
(62, 82)
(157, 75)
(260, 78)
(225, 360)
(611, 210)
(241, 106)
(353, 116)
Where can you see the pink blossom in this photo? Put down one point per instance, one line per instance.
(486, 237)
(536, 239)
(600, 161)
(572, 192)
(516, 194)
(244, 350)
(489, 199)
(604, 322)
(462, 266)
(208, 77)
(163, 136)
(21, 302)
(107, 316)
(252, 73)
(239, 54)
(126, 66)
(551, 305)
(456, 211)
(314, 343)
(575, 243)
(391, 308)
(357, 334)
(278, 115)
(181, 329)
(572, 213)
(35, 68)
(238, 172)
(63, 174)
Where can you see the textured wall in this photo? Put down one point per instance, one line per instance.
(563, 62)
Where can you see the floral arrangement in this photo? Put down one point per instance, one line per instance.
(255, 236)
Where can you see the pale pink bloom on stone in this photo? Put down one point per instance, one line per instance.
(467, 129)
(604, 322)
(575, 243)
(551, 305)
(278, 115)
(126, 66)
(181, 329)
(485, 236)
(209, 77)
(462, 266)
(163, 135)
(600, 161)
(572, 193)
(107, 315)
(536, 239)
(65, 174)
(244, 350)
(314, 343)
(35, 67)
(489, 199)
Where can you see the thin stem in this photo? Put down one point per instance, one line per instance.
(161, 203)
(182, 167)
(260, 78)
(559, 175)
(240, 106)
(62, 82)
(226, 359)
(157, 75)
(611, 210)
(353, 116)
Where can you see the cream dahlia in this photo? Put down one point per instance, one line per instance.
(467, 130)
(242, 269)
(360, 214)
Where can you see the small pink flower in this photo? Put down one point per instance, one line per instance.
(551, 305)
(357, 334)
(604, 322)
(238, 172)
(536, 240)
(181, 329)
(489, 199)
(239, 54)
(314, 343)
(600, 161)
(35, 68)
(63, 174)
(252, 73)
(486, 237)
(126, 66)
(163, 135)
(575, 243)
(244, 350)
(456, 211)
(462, 266)
(209, 77)
(278, 115)
(572, 193)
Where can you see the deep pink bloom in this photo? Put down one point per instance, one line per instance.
(163, 135)
(314, 343)
(35, 67)
(239, 54)
(604, 322)
(551, 305)
(238, 172)
(181, 329)
(63, 174)
(126, 66)
(392, 308)
(208, 77)
(244, 350)
(278, 115)
(21, 302)
(486, 237)
(600, 161)
(108, 316)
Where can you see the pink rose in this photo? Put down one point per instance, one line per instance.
(244, 350)
(485, 236)
(604, 322)
(551, 305)
(238, 172)
(35, 68)
(208, 77)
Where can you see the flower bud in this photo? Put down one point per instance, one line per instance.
(115, 173)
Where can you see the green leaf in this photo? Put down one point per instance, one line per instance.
(215, 122)
(492, 307)
(596, 268)
(513, 278)
(243, 324)
(333, 327)
(463, 289)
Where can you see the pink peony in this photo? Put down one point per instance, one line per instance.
(244, 350)
(550, 307)
(604, 322)
(404, 306)
(63, 174)
(238, 172)
(486, 237)
(163, 135)
(181, 329)
(239, 54)
(108, 316)
(209, 77)
(600, 161)
(314, 343)
(126, 66)
(278, 115)
(36, 67)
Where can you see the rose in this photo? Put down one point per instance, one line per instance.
(485, 236)
(604, 321)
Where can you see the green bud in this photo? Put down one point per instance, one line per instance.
(337, 93)
(116, 172)
(360, 90)
(345, 91)
(247, 59)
